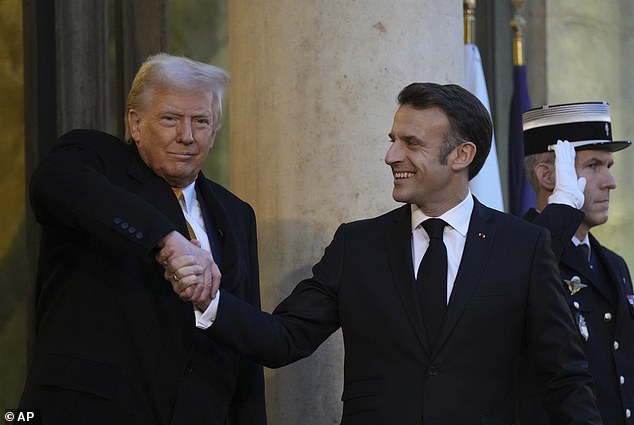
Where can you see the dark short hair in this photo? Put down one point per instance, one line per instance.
(469, 120)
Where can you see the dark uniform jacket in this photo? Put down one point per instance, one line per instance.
(114, 344)
(602, 303)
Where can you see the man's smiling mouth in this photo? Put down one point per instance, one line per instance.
(403, 174)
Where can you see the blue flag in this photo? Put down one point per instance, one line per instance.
(521, 194)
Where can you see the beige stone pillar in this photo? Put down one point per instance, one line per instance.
(587, 52)
(313, 94)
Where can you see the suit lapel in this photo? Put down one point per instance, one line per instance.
(156, 191)
(616, 288)
(574, 260)
(399, 248)
(233, 269)
(480, 238)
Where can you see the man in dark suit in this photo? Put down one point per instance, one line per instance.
(597, 281)
(117, 343)
(439, 344)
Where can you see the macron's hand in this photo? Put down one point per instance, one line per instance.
(191, 282)
(568, 188)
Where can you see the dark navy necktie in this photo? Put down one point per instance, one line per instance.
(431, 281)
(585, 251)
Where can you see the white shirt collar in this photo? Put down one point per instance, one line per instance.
(458, 217)
(578, 242)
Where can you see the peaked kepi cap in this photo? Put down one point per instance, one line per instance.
(586, 125)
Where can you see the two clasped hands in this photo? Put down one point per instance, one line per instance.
(191, 270)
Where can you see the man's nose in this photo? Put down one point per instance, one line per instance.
(610, 180)
(393, 153)
(186, 133)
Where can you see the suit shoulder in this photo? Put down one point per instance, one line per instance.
(613, 256)
(401, 213)
(92, 140)
(84, 135)
(223, 194)
(513, 223)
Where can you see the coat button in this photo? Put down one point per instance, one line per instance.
(607, 317)
(139, 235)
(432, 371)
(576, 305)
(621, 379)
(188, 370)
(117, 220)
(124, 225)
(616, 345)
(628, 413)
(131, 229)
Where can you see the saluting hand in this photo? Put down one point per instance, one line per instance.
(568, 188)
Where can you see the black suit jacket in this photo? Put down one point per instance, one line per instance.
(114, 344)
(506, 301)
(604, 313)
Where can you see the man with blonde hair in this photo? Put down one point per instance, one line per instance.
(120, 338)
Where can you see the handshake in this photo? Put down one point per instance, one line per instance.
(191, 270)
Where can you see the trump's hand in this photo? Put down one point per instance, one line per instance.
(190, 269)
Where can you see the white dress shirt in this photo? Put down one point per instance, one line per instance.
(585, 240)
(454, 237)
(193, 214)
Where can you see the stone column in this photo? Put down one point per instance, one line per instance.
(313, 95)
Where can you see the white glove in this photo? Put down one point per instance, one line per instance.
(568, 189)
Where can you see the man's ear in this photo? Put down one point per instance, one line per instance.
(545, 173)
(134, 120)
(462, 156)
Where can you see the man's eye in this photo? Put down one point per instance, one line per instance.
(203, 121)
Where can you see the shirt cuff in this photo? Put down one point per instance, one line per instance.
(205, 319)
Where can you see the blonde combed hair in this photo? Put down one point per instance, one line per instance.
(163, 71)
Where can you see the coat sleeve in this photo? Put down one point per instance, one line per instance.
(299, 324)
(562, 221)
(79, 186)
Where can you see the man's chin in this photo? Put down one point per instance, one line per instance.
(597, 221)
(399, 197)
